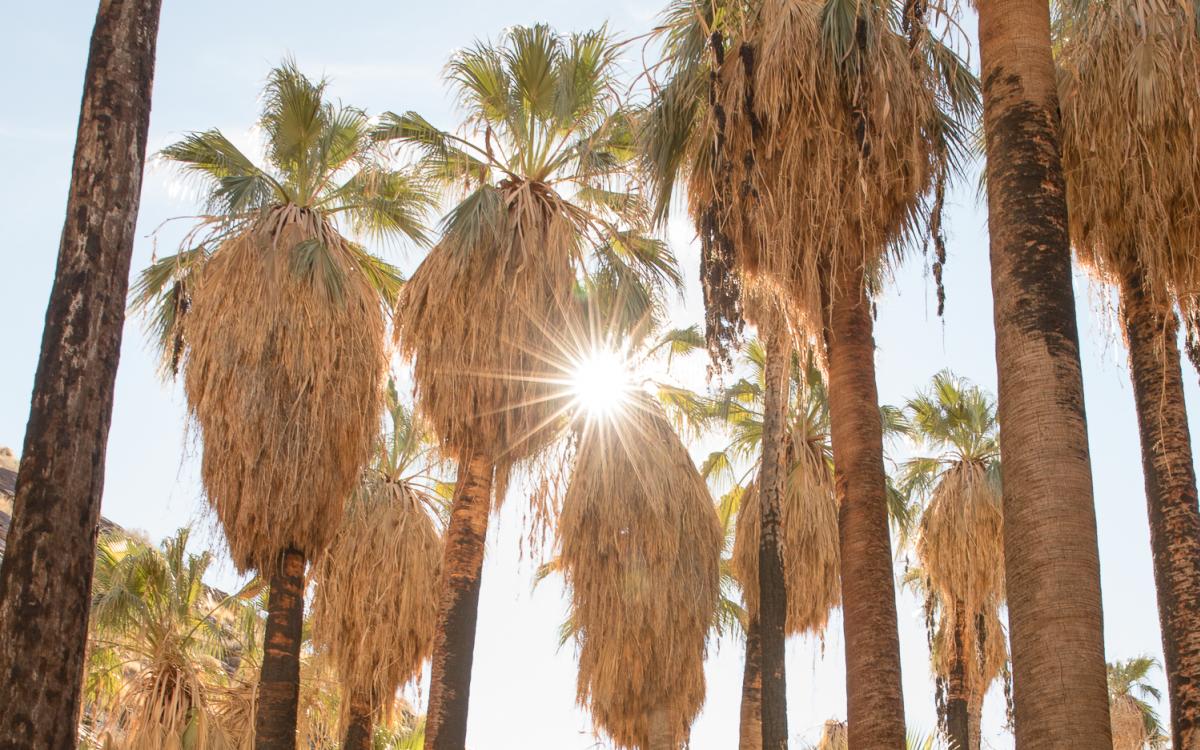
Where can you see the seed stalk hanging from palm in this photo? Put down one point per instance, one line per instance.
(276, 320)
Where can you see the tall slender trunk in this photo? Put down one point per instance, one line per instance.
(1051, 559)
(874, 701)
(772, 587)
(279, 683)
(957, 722)
(1151, 330)
(975, 721)
(458, 607)
(750, 730)
(662, 733)
(46, 576)
(360, 727)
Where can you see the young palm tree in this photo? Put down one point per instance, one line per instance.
(837, 125)
(276, 319)
(159, 633)
(377, 585)
(46, 573)
(1127, 83)
(640, 550)
(542, 159)
(1053, 588)
(1135, 721)
(959, 545)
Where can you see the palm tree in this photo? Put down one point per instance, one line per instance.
(276, 319)
(541, 159)
(640, 550)
(376, 599)
(1053, 588)
(46, 574)
(959, 545)
(1135, 722)
(1125, 81)
(850, 117)
(160, 635)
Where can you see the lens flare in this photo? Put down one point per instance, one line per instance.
(601, 383)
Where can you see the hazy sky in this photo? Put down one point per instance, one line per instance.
(213, 58)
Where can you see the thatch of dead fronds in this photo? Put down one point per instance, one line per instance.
(984, 649)
(960, 545)
(640, 548)
(286, 354)
(478, 319)
(808, 542)
(834, 123)
(834, 736)
(1128, 724)
(375, 605)
(1129, 90)
(164, 707)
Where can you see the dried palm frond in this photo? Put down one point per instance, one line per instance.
(640, 548)
(234, 706)
(1128, 729)
(164, 707)
(478, 319)
(834, 123)
(834, 736)
(1127, 81)
(285, 362)
(375, 605)
(960, 545)
(809, 542)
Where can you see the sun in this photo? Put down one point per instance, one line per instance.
(601, 382)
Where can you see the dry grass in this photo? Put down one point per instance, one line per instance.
(375, 606)
(809, 542)
(960, 545)
(836, 151)
(286, 355)
(640, 547)
(1127, 78)
(478, 319)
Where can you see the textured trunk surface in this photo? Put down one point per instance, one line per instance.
(662, 737)
(957, 722)
(975, 721)
(360, 727)
(458, 608)
(772, 588)
(45, 580)
(1151, 332)
(750, 728)
(874, 702)
(1051, 559)
(279, 683)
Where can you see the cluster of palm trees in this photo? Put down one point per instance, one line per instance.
(811, 143)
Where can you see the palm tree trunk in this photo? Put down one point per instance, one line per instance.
(750, 734)
(1051, 558)
(46, 576)
(458, 607)
(279, 682)
(772, 588)
(1151, 330)
(662, 734)
(957, 729)
(975, 721)
(874, 701)
(360, 727)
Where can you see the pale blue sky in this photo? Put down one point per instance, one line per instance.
(213, 57)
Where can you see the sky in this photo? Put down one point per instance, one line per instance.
(213, 58)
